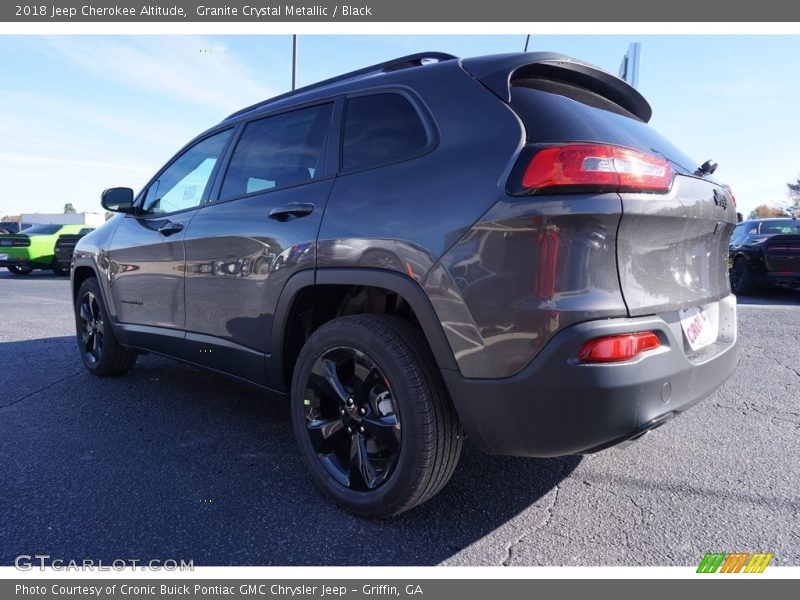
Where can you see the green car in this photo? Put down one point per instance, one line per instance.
(34, 248)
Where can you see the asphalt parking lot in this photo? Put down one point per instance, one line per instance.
(173, 462)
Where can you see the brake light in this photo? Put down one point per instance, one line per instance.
(597, 166)
(730, 193)
(618, 348)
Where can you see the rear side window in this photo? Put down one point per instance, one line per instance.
(42, 229)
(381, 128)
(556, 112)
(281, 151)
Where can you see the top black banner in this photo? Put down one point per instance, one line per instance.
(462, 11)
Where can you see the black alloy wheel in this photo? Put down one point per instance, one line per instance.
(101, 353)
(91, 327)
(371, 415)
(351, 418)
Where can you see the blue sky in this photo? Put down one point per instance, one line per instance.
(83, 113)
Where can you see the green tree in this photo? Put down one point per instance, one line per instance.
(69, 209)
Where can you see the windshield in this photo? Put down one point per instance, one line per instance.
(42, 229)
(782, 226)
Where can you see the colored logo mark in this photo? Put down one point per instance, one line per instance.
(734, 562)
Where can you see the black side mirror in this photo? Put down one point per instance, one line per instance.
(119, 200)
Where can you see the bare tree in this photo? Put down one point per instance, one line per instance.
(764, 211)
(793, 204)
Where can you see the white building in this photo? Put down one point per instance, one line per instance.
(86, 218)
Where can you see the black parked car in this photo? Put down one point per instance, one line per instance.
(765, 252)
(549, 274)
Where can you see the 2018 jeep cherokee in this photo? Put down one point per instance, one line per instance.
(429, 246)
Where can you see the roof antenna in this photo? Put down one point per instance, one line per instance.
(527, 41)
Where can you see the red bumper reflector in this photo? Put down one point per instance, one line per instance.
(618, 348)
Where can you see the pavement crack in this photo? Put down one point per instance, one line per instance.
(41, 389)
(787, 367)
(520, 538)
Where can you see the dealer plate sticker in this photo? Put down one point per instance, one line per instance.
(700, 325)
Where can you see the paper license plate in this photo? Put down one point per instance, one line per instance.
(700, 326)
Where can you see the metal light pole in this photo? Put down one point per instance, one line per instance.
(629, 69)
(294, 62)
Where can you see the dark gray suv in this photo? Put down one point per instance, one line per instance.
(428, 248)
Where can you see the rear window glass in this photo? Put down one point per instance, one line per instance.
(42, 230)
(381, 128)
(565, 113)
(783, 226)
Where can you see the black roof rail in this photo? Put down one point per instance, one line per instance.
(404, 62)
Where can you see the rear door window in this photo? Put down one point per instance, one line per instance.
(379, 129)
(280, 151)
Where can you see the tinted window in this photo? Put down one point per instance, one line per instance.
(183, 183)
(381, 128)
(555, 112)
(782, 226)
(280, 151)
(42, 229)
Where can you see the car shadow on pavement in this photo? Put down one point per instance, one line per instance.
(171, 462)
(774, 296)
(35, 274)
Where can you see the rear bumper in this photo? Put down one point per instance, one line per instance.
(557, 406)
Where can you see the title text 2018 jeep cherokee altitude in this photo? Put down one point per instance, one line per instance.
(498, 245)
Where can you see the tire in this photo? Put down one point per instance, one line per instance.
(101, 353)
(410, 444)
(741, 278)
(17, 270)
(58, 269)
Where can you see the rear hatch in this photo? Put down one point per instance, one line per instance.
(672, 242)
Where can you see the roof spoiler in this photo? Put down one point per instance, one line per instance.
(498, 71)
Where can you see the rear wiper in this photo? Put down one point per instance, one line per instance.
(707, 168)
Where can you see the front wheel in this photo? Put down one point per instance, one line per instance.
(372, 417)
(101, 353)
(17, 270)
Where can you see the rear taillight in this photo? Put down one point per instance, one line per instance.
(596, 167)
(730, 193)
(618, 348)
